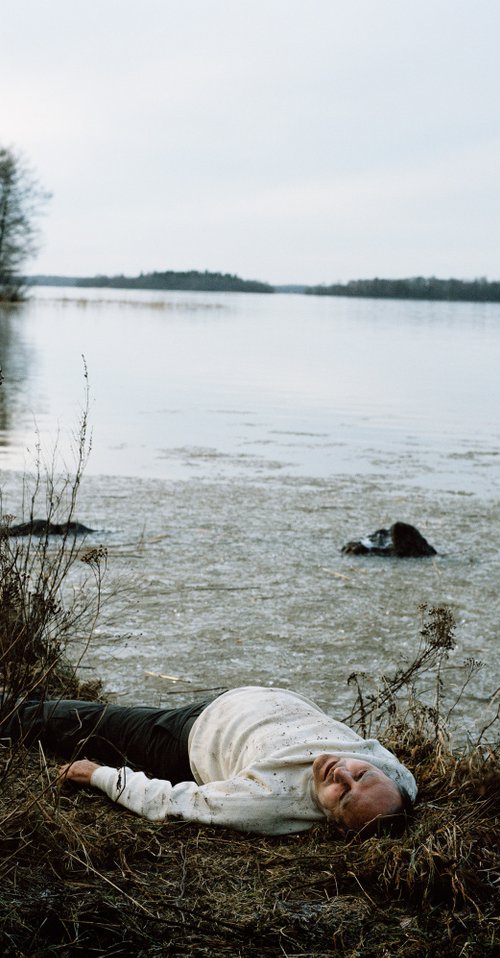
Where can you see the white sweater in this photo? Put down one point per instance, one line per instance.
(251, 753)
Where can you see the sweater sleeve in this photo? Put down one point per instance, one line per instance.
(247, 802)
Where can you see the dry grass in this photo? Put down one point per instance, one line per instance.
(80, 876)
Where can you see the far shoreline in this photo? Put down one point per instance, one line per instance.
(418, 288)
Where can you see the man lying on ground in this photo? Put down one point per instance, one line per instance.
(257, 759)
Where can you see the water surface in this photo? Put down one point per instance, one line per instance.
(238, 441)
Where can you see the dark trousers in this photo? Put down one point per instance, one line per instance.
(154, 741)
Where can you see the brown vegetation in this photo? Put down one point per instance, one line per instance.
(80, 876)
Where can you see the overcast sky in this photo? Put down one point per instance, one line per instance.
(286, 140)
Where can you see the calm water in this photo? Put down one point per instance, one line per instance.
(238, 442)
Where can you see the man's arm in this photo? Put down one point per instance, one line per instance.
(248, 802)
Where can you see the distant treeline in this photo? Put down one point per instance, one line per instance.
(477, 290)
(192, 280)
(419, 287)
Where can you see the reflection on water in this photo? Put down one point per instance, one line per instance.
(14, 364)
(221, 385)
(239, 441)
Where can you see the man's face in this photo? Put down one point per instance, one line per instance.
(353, 792)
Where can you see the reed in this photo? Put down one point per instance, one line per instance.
(50, 587)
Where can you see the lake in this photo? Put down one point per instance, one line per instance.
(238, 440)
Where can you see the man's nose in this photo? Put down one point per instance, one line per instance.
(342, 776)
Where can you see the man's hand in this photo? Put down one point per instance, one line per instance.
(79, 772)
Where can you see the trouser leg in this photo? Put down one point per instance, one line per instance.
(153, 740)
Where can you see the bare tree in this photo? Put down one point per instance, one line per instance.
(21, 202)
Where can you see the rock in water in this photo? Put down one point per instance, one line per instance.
(41, 527)
(401, 540)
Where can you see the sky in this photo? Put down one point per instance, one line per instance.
(292, 141)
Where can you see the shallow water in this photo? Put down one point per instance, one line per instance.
(238, 443)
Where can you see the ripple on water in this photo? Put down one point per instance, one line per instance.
(241, 582)
(236, 582)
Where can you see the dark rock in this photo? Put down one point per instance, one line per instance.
(42, 527)
(401, 540)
